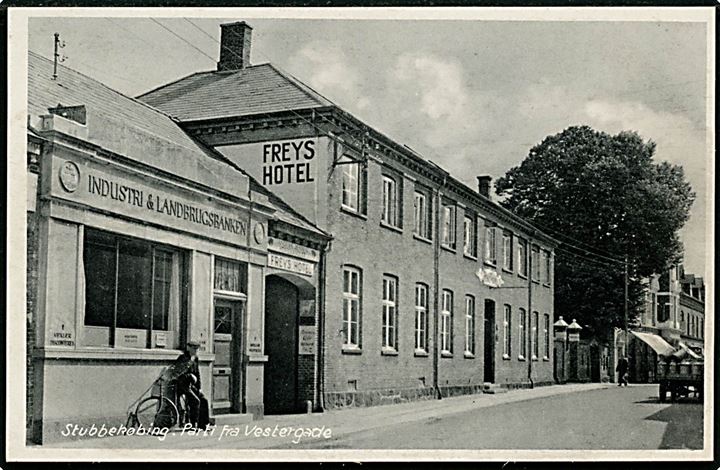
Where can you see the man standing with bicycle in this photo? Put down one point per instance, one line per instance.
(188, 383)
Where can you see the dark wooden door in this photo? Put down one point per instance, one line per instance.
(489, 324)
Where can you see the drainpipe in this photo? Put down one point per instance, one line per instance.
(530, 317)
(321, 331)
(436, 281)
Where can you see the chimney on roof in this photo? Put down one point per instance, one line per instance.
(484, 185)
(235, 41)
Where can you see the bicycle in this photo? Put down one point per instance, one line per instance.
(160, 409)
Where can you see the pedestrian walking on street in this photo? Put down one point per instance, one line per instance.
(621, 369)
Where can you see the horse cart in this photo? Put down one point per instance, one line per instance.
(681, 375)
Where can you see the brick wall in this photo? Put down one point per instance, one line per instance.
(371, 377)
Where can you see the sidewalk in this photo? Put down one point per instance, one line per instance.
(282, 431)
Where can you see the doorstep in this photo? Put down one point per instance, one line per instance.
(493, 388)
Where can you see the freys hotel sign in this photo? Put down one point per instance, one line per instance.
(99, 188)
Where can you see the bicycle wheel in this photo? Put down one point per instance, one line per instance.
(156, 412)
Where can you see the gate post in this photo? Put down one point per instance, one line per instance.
(574, 351)
(560, 348)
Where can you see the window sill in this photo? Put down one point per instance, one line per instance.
(474, 258)
(448, 248)
(521, 358)
(353, 212)
(391, 227)
(421, 353)
(422, 239)
(534, 281)
(534, 358)
(490, 263)
(469, 355)
(506, 270)
(351, 350)
(546, 359)
(388, 352)
(108, 353)
(446, 354)
(522, 276)
(506, 357)
(546, 285)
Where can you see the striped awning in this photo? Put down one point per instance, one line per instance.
(657, 343)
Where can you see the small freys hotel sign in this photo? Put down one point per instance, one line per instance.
(301, 259)
(119, 194)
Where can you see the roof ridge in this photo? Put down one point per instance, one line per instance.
(152, 108)
(159, 87)
(302, 86)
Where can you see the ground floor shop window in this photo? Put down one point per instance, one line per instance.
(132, 292)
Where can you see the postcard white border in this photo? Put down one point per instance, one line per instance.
(16, 223)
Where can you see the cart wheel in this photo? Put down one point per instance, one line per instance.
(156, 412)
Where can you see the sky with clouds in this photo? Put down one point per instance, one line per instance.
(473, 96)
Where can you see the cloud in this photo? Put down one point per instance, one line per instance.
(327, 68)
(449, 111)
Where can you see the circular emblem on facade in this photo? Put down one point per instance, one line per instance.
(259, 233)
(69, 176)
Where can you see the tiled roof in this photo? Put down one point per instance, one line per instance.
(253, 90)
(137, 131)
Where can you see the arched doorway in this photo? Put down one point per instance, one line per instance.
(286, 382)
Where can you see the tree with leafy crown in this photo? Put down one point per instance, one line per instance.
(602, 197)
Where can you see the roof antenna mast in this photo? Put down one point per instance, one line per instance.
(57, 57)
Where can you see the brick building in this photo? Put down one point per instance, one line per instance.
(430, 287)
(140, 239)
(672, 319)
(692, 312)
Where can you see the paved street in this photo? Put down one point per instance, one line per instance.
(574, 416)
(613, 418)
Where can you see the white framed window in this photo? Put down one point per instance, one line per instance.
(469, 235)
(546, 335)
(446, 319)
(352, 284)
(422, 216)
(132, 292)
(390, 210)
(507, 331)
(353, 185)
(535, 261)
(469, 325)
(490, 245)
(421, 317)
(522, 266)
(535, 335)
(507, 251)
(547, 267)
(448, 234)
(389, 312)
(522, 334)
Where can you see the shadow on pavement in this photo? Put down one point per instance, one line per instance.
(684, 425)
